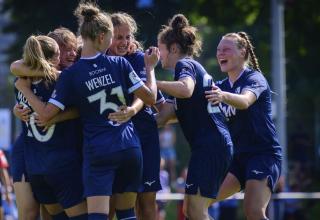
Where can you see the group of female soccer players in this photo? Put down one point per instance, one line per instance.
(109, 162)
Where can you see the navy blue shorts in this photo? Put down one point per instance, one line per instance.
(206, 171)
(64, 188)
(18, 165)
(116, 172)
(151, 162)
(257, 166)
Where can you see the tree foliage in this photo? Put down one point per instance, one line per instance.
(213, 19)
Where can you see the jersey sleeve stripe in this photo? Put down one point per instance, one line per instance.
(135, 86)
(57, 103)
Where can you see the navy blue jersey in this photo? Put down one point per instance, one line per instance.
(97, 86)
(202, 124)
(53, 150)
(21, 99)
(252, 129)
(144, 120)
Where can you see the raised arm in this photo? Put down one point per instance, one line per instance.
(148, 92)
(18, 68)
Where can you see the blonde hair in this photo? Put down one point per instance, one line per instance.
(38, 50)
(243, 42)
(122, 18)
(92, 21)
(180, 32)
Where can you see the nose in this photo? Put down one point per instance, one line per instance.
(72, 53)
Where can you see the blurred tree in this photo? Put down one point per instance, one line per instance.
(213, 19)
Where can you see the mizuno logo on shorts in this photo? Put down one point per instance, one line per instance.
(256, 172)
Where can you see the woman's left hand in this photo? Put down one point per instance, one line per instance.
(215, 95)
(123, 114)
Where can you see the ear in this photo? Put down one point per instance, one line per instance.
(101, 37)
(243, 52)
(174, 48)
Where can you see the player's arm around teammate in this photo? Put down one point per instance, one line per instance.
(245, 98)
(178, 43)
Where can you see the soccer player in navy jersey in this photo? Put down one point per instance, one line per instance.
(245, 99)
(27, 206)
(97, 85)
(53, 161)
(202, 124)
(143, 119)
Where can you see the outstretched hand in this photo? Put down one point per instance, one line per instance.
(215, 95)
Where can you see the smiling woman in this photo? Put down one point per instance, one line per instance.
(142, 116)
(245, 98)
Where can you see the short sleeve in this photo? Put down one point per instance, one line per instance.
(62, 93)
(256, 83)
(133, 81)
(184, 69)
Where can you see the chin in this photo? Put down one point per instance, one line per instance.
(224, 69)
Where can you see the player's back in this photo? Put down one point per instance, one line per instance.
(97, 86)
(202, 123)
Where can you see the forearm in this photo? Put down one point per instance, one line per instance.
(18, 68)
(41, 108)
(151, 82)
(239, 101)
(137, 105)
(68, 114)
(174, 88)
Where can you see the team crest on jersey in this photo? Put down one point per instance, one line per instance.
(54, 94)
(238, 90)
(134, 77)
(95, 65)
(184, 70)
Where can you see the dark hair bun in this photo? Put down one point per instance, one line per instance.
(179, 21)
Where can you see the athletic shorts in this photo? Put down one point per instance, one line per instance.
(206, 171)
(17, 164)
(65, 188)
(116, 172)
(256, 166)
(151, 163)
